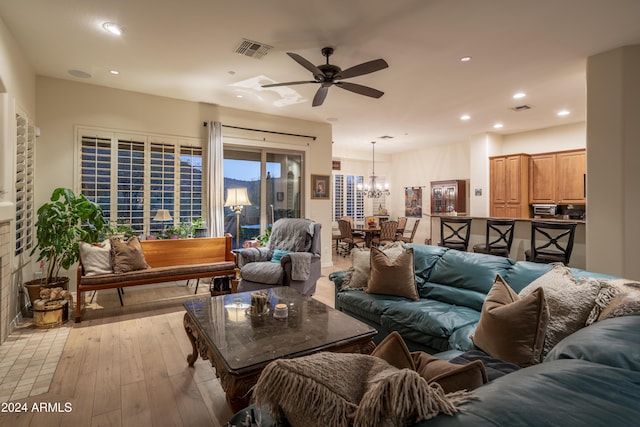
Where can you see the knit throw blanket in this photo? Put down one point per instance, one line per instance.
(291, 234)
(343, 390)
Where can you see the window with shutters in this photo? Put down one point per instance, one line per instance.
(347, 201)
(132, 176)
(25, 138)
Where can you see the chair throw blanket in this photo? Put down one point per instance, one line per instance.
(291, 234)
(300, 265)
(346, 389)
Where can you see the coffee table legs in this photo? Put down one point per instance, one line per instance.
(189, 329)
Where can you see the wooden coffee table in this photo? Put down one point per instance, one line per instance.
(240, 346)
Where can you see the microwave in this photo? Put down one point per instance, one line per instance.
(544, 210)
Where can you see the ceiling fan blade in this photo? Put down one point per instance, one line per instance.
(289, 83)
(359, 89)
(317, 73)
(321, 94)
(364, 68)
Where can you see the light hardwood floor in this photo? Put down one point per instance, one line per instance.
(126, 366)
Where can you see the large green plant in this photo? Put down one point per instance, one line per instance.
(62, 223)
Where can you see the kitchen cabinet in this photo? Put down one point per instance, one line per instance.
(448, 196)
(509, 186)
(571, 174)
(558, 178)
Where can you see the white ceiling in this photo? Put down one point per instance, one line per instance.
(185, 49)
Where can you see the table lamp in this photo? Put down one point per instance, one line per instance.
(163, 215)
(237, 199)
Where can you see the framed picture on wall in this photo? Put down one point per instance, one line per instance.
(320, 186)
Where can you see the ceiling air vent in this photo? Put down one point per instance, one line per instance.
(386, 137)
(252, 49)
(522, 107)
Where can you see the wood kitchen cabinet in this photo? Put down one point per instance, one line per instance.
(558, 178)
(448, 196)
(509, 186)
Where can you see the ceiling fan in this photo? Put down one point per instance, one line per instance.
(328, 75)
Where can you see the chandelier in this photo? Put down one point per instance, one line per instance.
(372, 189)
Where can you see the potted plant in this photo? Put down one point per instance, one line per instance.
(119, 229)
(62, 223)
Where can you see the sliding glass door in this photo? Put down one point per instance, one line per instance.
(272, 180)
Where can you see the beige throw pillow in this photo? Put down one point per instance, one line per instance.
(96, 258)
(572, 303)
(127, 256)
(358, 275)
(392, 277)
(512, 328)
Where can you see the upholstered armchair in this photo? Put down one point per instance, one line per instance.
(290, 258)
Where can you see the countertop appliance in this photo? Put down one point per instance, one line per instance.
(544, 210)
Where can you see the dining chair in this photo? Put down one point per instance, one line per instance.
(551, 242)
(387, 233)
(350, 239)
(402, 223)
(409, 239)
(458, 230)
(498, 238)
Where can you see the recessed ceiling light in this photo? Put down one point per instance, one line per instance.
(498, 126)
(563, 113)
(239, 96)
(114, 72)
(465, 59)
(79, 73)
(332, 119)
(519, 95)
(465, 117)
(113, 28)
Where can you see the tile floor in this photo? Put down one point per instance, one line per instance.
(28, 360)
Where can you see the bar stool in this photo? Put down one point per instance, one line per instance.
(555, 242)
(501, 245)
(459, 229)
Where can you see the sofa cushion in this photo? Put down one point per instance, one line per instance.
(96, 258)
(392, 276)
(613, 342)
(158, 273)
(453, 295)
(267, 272)
(512, 328)
(570, 302)
(429, 322)
(567, 393)
(524, 272)
(127, 256)
(368, 306)
(424, 258)
(465, 270)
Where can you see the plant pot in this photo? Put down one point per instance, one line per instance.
(34, 286)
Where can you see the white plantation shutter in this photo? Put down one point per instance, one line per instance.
(131, 176)
(25, 138)
(347, 201)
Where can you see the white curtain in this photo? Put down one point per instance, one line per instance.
(215, 180)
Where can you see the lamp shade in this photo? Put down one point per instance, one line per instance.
(237, 197)
(162, 215)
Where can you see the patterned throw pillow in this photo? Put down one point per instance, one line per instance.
(573, 304)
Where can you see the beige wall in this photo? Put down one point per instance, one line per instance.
(613, 131)
(64, 104)
(17, 94)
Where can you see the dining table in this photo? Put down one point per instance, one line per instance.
(368, 232)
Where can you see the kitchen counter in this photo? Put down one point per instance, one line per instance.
(521, 235)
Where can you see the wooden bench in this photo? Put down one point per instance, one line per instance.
(170, 260)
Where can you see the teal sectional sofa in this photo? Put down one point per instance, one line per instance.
(452, 286)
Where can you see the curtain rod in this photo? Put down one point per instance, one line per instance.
(267, 131)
